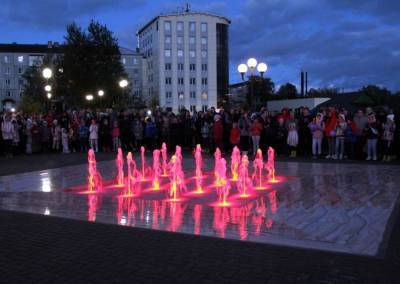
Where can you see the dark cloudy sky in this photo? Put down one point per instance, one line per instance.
(341, 43)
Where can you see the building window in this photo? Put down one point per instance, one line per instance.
(180, 81)
(204, 81)
(192, 67)
(167, 66)
(19, 70)
(179, 39)
(8, 82)
(192, 53)
(203, 67)
(168, 81)
(180, 66)
(203, 27)
(35, 60)
(20, 82)
(8, 94)
(180, 52)
(204, 54)
(135, 61)
(192, 40)
(135, 71)
(204, 96)
(6, 59)
(192, 95)
(179, 26)
(192, 81)
(193, 108)
(167, 40)
(168, 95)
(192, 26)
(205, 107)
(168, 53)
(204, 41)
(21, 59)
(123, 60)
(8, 70)
(181, 95)
(167, 26)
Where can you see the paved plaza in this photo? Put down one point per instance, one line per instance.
(330, 212)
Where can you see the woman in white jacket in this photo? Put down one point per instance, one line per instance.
(7, 131)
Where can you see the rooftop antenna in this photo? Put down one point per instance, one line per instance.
(187, 8)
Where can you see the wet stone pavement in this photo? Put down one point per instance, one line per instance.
(322, 223)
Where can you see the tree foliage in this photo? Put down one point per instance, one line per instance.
(378, 96)
(259, 91)
(91, 61)
(287, 91)
(322, 93)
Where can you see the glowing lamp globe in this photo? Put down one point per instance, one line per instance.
(262, 67)
(49, 95)
(47, 73)
(252, 63)
(100, 93)
(123, 83)
(89, 97)
(47, 88)
(242, 68)
(149, 112)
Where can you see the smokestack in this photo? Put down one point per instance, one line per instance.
(306, 83)
(302, 83)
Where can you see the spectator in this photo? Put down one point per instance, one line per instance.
(255, 131)
(115, 133)
(389, 128)
(234, 137)
(218, 132)
(330, 131)
(83, 137)
(317, 127)
(244, 127)
(56, 134)
(340, 129)
(93, 136)
(65, 140)
(372, 134)
(7, 130)
(292, 139)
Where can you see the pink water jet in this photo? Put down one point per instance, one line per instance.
(95, 181)
(245, 184)
(223, 185)
(156, 170)
(133, 185)
(143, 161)
(176, 177)
(199, 173)
(270, 166)
(235, 162)
(164, 159)
(258, 165)
(217, 166)
(120, 167)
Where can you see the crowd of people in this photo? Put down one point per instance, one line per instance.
(329, 132)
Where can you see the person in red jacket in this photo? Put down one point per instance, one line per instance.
(255, 132)
(218, 130)
(330, 132)
(235, 135)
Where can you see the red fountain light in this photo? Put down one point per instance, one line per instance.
(156, 170)
(245, 184)
(258, 166)
(95, 181)
(222, 184)
(120, 167)
(199, 173)
(270, 166)
(143, 161)
(133, 185)
(164, 160)
(235, 162)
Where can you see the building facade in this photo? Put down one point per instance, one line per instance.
(185, 59)
(15, 59)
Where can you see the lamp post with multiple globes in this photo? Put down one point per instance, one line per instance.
(252, 64)
(47, 73)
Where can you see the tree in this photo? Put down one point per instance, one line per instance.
(91, 61)
(379, 96)
(287, 91)
(322, 93)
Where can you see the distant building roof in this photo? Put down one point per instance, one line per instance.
(183, 13)
(127, 51)
(346, 100)
(31, 48)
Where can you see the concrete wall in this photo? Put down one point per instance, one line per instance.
(295, 103)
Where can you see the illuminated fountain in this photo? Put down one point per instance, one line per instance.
(156, 170)
(176, 177)
(143, 161)
(199, 173)
(270, 166)
(235, 162)
(133, 185)
(223, 185)
(245, 184)
(258, 166)
(164, 160)
(120, 168)
(95, 181)
(217, 166)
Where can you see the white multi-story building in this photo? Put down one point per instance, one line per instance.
(185, 60)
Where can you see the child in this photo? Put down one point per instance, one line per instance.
(292, 139)
(255, 131)
(94, 136)
(56, 133)
(341, 128)
(83, 136)
(372, 137)
(115, 133)
(205, 135)
(317, 127)
(387, 137)
(65, 140)
(235, 135)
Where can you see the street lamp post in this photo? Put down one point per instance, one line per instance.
(47, 73)
(252, 64)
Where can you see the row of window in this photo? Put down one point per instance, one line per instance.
(124, 61)
(180, 27)
(8, 82)
(8, 70)
(192, 53)
(180, 40)
(181, 95)
(33, 60)
(192, 67)
(168, 81)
